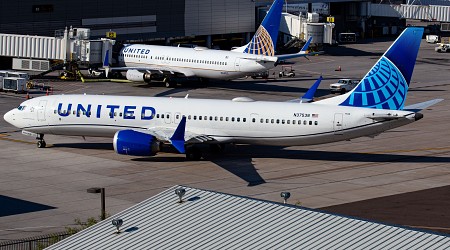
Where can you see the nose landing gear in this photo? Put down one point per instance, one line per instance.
(41, 143)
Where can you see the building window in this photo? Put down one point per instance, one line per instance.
(42, 8)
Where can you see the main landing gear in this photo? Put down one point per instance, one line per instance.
(41, 143)
(193, 153)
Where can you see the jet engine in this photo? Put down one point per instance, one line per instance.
(137, 76)
(130, 142)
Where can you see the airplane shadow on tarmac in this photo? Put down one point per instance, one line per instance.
(238, 160)
(12, 206)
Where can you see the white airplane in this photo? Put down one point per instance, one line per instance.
(145, 62)
(138, 125)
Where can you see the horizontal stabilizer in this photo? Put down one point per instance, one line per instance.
(421, 106)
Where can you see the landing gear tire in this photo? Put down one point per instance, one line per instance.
(169, 83)
(193, 154)
(41, 144)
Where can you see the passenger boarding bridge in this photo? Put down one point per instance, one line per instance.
(37, 52)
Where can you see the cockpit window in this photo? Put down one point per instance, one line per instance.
(21, 107)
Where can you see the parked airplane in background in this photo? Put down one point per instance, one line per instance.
(140, 124)
(145, 62)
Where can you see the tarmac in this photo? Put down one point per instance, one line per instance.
(44, 190)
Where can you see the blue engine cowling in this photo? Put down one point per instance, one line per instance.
(130, 142)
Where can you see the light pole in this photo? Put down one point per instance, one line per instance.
(96, 190)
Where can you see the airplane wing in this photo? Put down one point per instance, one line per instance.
(301, 53)
(164, 134)
(159, 69)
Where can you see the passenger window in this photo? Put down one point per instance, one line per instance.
(162, 116)
(304, 122)
(232, 119)
(189, 117)
(272, 121)
(54, 111)
(282, 121)
(195, 117)
(288, 121)
(221, 118)
(206, 118)
(215, 118)
(293, 122)
(200, 117)
(178, 117)
(210, 118)
(120, 114)
(226, 119)
(110, 114)
(310, 122)
(244, 119)
(262, 120)
(115, 113)
(238, 119)
(267, 120)
(278, 121)
(73, 112)
(316, 123)
(253, 119)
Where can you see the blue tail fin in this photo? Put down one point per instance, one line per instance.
(264, 41)
(385, 86)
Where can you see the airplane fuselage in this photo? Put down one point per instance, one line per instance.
(194, 62)
(225, 121)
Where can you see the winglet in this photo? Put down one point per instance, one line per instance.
(106, 59)
(177, 138)
(305, 47)
(106, 63)
(309, 95)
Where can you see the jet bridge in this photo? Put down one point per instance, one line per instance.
(41, 53)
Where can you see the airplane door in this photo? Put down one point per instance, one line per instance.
(338, 123)
(237, 64)
(168, 117)
(41, 110)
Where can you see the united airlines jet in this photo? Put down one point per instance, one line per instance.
(145, 62)
(139, 125)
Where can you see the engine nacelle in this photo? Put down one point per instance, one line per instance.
(137, 76)
(130, 142)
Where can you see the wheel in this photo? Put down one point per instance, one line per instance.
(168, 82)
(41, 144)
(293, 74)
(343, 91)
(193, 154)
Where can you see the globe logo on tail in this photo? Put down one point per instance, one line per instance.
(384, 87)
(261, 43)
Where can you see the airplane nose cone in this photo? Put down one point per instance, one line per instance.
(9, 117)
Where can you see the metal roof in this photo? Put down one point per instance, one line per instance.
(212, 220)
